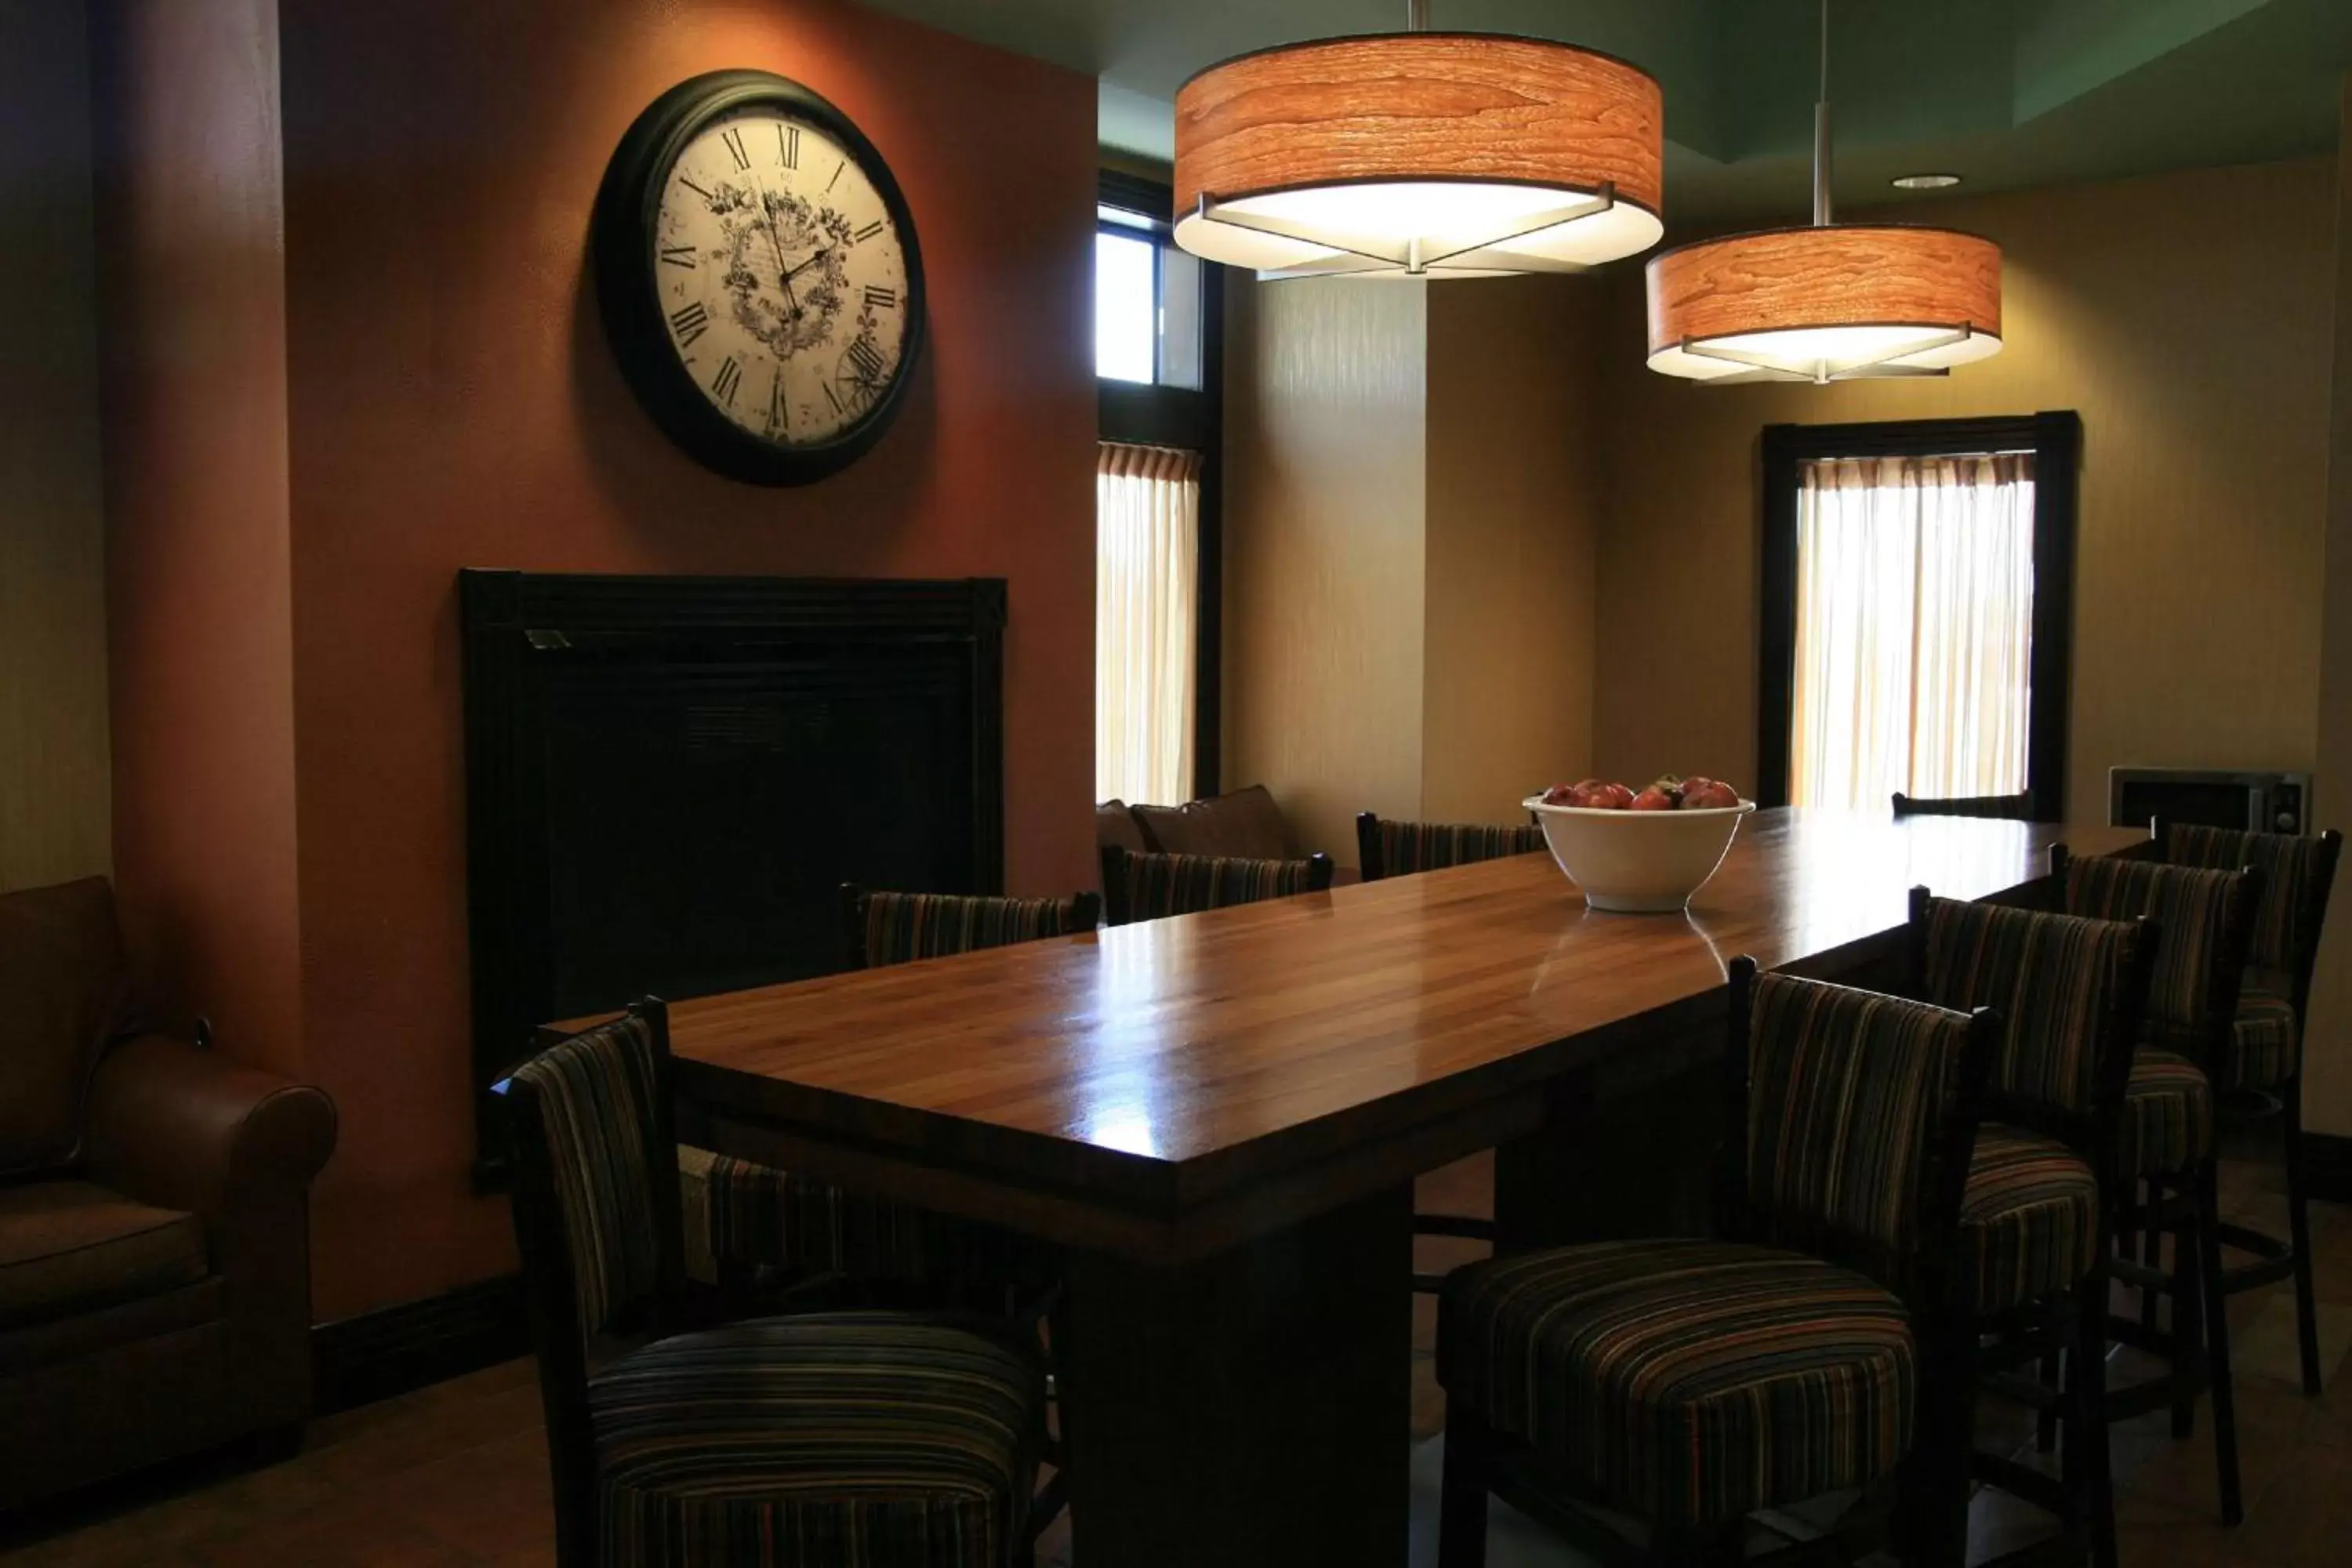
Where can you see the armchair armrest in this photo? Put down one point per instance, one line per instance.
(180, 1128)
(169, 1124)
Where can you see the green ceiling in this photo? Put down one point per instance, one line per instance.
(2004, 92)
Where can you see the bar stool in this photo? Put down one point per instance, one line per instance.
(1386, 847)
(2165, 1136)
(2009, 807)
(751, 1217)
(2038, 1218)
(866, 1440)
(2261, 1082)
(1154, 887)
(1694, 1383)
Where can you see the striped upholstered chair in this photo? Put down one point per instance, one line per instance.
(1694, 1383)
(899, 928)
(2262, 1073)
(2038, 1218)
(868, 1440)
(2006, 807)
(1390, 848)
(2165, 1139)
(1386, 847)
(1152, 887)
(752, 1216)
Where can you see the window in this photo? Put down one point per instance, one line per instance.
(1147, 624)
(1915, 629)
(1147, 302)
(1917, 611)
(1157, 321)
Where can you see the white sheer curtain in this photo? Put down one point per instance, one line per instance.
(1147, 625)
(1915, 629)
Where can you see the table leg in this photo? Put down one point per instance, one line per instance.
(1249, 1408)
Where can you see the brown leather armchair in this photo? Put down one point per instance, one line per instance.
(155, 1218)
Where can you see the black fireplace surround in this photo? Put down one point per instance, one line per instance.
(670, 778)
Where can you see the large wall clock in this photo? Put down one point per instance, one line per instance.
(757, 270)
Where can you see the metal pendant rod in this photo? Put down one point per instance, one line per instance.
(1416, 15)
(1822, 217)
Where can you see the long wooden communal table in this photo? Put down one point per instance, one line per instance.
(1220, 1117)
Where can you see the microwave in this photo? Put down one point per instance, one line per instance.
(2261, 803)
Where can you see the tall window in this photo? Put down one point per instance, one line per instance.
(1158, 316)
(1918, 599)
(1147, 625)
(1915, 629)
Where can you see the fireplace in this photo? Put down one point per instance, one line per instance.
(670, 778)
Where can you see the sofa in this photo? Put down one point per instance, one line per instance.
(1244, 824)
(155, 1217)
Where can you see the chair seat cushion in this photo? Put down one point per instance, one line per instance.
(2263, 1042)
(868, 1440)
(2029, 1217)
(2168, 1119)
(1691, 1380)
(69, 1246)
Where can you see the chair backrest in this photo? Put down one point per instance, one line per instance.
(596, 1213)
(899, 928)
(596, 1219)
(2205, 921)
(1149, 887)
(1387, 848)
(2013, 807)
(2070, 992)
(2297, 875)
(1858, 1112)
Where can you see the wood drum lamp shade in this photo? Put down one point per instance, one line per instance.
(1829, 302)
(1418, 154)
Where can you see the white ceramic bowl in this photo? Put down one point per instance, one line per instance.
(1639, 862)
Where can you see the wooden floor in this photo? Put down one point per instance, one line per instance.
(455, 1476)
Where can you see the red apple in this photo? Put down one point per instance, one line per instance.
(1655, 798)
(1711, 795)
(1564, 794)
(1614, 797)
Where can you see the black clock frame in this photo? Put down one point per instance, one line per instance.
(621, 250)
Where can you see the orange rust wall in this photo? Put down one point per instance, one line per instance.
(450, 402)
(193, 353)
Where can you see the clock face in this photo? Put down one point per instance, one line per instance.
(783, 276)
(760, 278)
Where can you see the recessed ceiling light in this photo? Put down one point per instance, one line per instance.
(1924, 182)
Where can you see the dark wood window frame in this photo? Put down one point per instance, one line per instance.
(1182, 416)
(2055, 439)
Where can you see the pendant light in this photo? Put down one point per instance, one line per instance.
(1418, 154)
(1831, 302)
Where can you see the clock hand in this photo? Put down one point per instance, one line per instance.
(805, 266)
(784, 273)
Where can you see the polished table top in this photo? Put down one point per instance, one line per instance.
(1172, 1060)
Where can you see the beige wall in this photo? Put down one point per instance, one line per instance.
(2184, 316)
(1513, 449)
(53, 804)
(1325, 514)
(1408, 575)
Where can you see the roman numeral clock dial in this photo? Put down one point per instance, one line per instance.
(759, 276)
